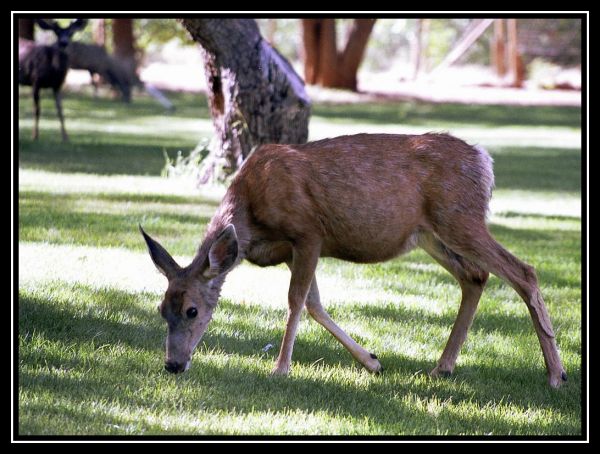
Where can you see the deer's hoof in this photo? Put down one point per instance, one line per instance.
(373, 365)
(280, 371)
(556, 380)
(439, 372)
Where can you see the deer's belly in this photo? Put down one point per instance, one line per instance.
(369, 250)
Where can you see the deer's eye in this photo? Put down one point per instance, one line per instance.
(191, 312)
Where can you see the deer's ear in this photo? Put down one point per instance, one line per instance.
(161, 258)
(78, 24)
(45, 24)
(222, 253)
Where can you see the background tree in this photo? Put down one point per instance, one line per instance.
(323, 63)
(26, 30)
(254, 94)
(124, 43)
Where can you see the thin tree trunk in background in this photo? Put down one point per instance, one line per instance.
(323, 64)
(124, 43)
(328, 57)
(353, 52)
(310, 42)
(254, 94)
(498, 50)
(416, 49)
(99, 32)
(26, 29)
(514, 59)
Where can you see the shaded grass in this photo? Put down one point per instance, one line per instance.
(556, 169)
(449, 115)
(99, 142)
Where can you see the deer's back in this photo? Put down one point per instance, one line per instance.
(91, 57)
(366, 195)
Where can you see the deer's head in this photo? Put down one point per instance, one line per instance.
(192, 293)
(63, 35)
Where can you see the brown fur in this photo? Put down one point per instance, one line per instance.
(363, 198)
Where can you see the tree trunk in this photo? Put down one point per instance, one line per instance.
(328, 57)
(99, 32)
(498, 50)
(124, 43)
(517, 70)
(310, 41)
(353, 53)
(26, 30)
(254, 94)
(323, 64)
(419, 47)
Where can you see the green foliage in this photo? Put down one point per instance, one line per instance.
(284, 34)
(160, 31)
(90, 343)
(185, 166)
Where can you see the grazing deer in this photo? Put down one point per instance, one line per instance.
(363, 198)
(46, 67)
(95, 59)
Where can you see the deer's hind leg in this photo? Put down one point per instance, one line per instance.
(477, 244)
(472, 280)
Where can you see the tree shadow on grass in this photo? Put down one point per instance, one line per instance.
(42, 198)
(81, 104)
(121, 155)
(78, 317)
(422, 113)
(538, 168)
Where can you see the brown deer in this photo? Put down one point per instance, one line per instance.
(46, 67)
(94, 59)
(363, 198)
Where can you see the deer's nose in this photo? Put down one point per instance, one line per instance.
(174, 367)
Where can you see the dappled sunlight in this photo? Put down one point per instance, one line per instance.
(526, 202)
(556, 137)
(525, 220)
(110, 267)
(76, 183)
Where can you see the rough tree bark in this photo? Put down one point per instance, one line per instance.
(254, 94)
(323, 64)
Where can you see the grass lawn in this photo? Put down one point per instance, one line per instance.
(91, 344)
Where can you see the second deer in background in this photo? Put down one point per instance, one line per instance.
(95, 59)
(46, 67)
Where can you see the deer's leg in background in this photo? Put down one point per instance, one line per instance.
(36, 112)
(472, 280)
(93, 77)
(58, 101)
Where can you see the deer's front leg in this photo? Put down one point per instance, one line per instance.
(306, 256)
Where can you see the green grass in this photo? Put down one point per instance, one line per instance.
(91, 343)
